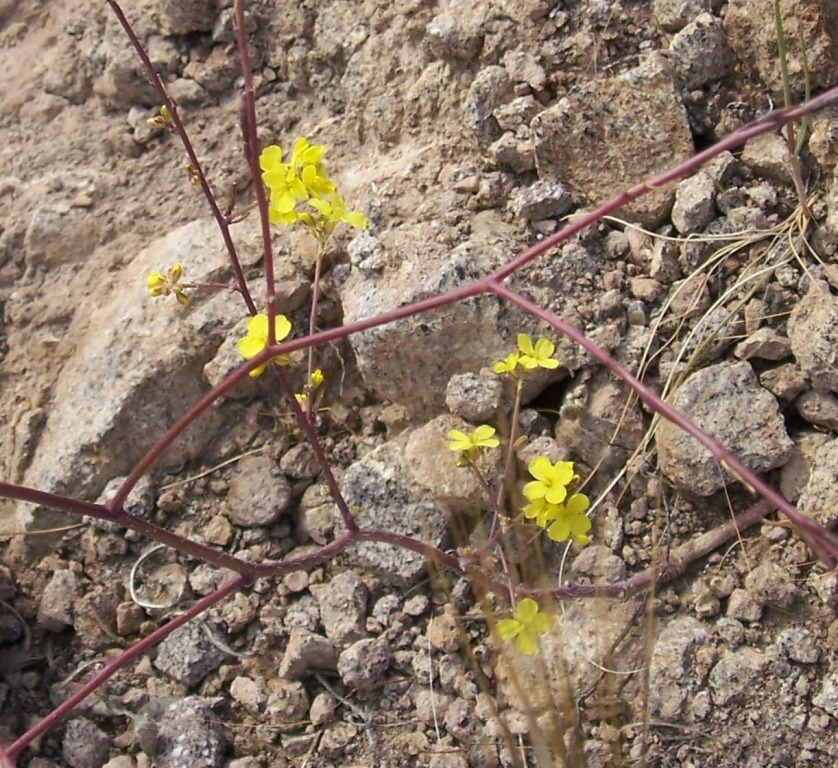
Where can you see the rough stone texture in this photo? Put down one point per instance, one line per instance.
(305, 651)
(768, 156)
(813, 333)
(743, 606)
(764, 343)
(187, 655)
(182, 17)
(818, 408)
(287, 705)
(363, 663)
(136, 367)
(694, 205)
(259, 492)
(491, 88)
(541, 200)
(190, 734)
(735, 675)
(474, 397)
(595, 424)
(673, 15)
(84, 745)
(343, 607)
(589, 141)
(750, 28)
(726, 401)
(699, 52)
(380, 488)
(669, 676)
(456, 33)
(819, 498)
(827, 697)
(795, 472)
(55, 612)
(772, 585)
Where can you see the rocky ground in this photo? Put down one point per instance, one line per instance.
(465, 130)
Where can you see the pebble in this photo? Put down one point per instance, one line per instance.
(84, 745)
(55, 611)
(363, 663)
(343, 607)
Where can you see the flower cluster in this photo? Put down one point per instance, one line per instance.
(526, 624)
(256, 338)
(160, 284)
(528, 357)
(553, 505)
(304, 181)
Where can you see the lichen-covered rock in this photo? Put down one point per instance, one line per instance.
(613, 132)
(190, 734)
(726, 401)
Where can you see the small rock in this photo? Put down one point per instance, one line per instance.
(541, 200)
(772, 585)
(384, 608)
(299, 463)
(785, 382)
(84, 745)
(827, 698)
(288, 705)
(813, 333)
(366, 252)
(305, 651)
(726, 401)
(55, 612)
(443, 633)
(818, 408)
(343, 606)
(736, 674)
(363, 663)
(474, 397)
(248, 692)
(512, 152)
(187, 655)
(768, 156)
(416, 605)
(819, 498)
(490, 89)
(800, 645)
(258, 493)
(182, 17)
(694, 205)
(454, 35)
(672, 15)
(381, 487)
(323, 709)
(743, 606)
(764, 343)
(523, 67)
(669, 678)
(795, 472)
(129, 617)
(599, 564)
(700, 54)
(189, 734)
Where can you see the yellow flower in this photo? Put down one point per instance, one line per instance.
(254, 341)
(329, 214)
(481, 437)
(509, 365)
(158, 284)
(551, 480)
(540, 511)
(568, 521)
(316, 379)
(538, 356)
(526, 624)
